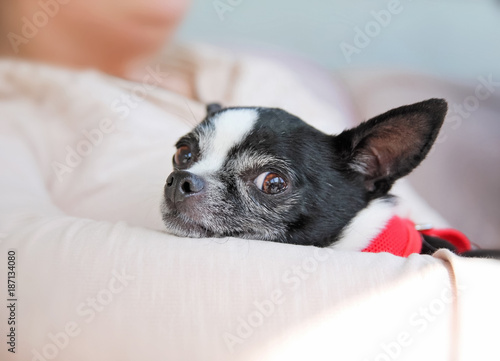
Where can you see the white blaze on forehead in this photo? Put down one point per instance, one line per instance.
(230, 129)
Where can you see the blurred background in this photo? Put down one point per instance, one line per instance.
(459, 38)
(386, 54)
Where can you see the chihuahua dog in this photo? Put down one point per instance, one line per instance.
(264, 174)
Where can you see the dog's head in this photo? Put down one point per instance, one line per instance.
(262, 173)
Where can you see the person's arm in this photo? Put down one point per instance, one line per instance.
(103, 290)
(97, 290)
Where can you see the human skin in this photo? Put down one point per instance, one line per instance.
(114, 36)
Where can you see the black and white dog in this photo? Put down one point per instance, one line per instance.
(264, 174)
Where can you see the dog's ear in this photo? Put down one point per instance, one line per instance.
(392, 144)
(213, 108)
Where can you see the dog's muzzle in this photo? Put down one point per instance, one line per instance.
(181, 186)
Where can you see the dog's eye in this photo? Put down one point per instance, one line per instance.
(183, 156)
(271, 183)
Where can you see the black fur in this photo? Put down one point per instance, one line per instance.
(330, 178)
(316, 178)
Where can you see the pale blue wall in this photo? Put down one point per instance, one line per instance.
(449, 38)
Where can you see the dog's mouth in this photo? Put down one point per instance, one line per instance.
(208, 216)
(181, 225)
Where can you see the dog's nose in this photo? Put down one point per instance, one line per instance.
(182, 184)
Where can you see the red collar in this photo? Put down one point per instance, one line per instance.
(400, 238)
